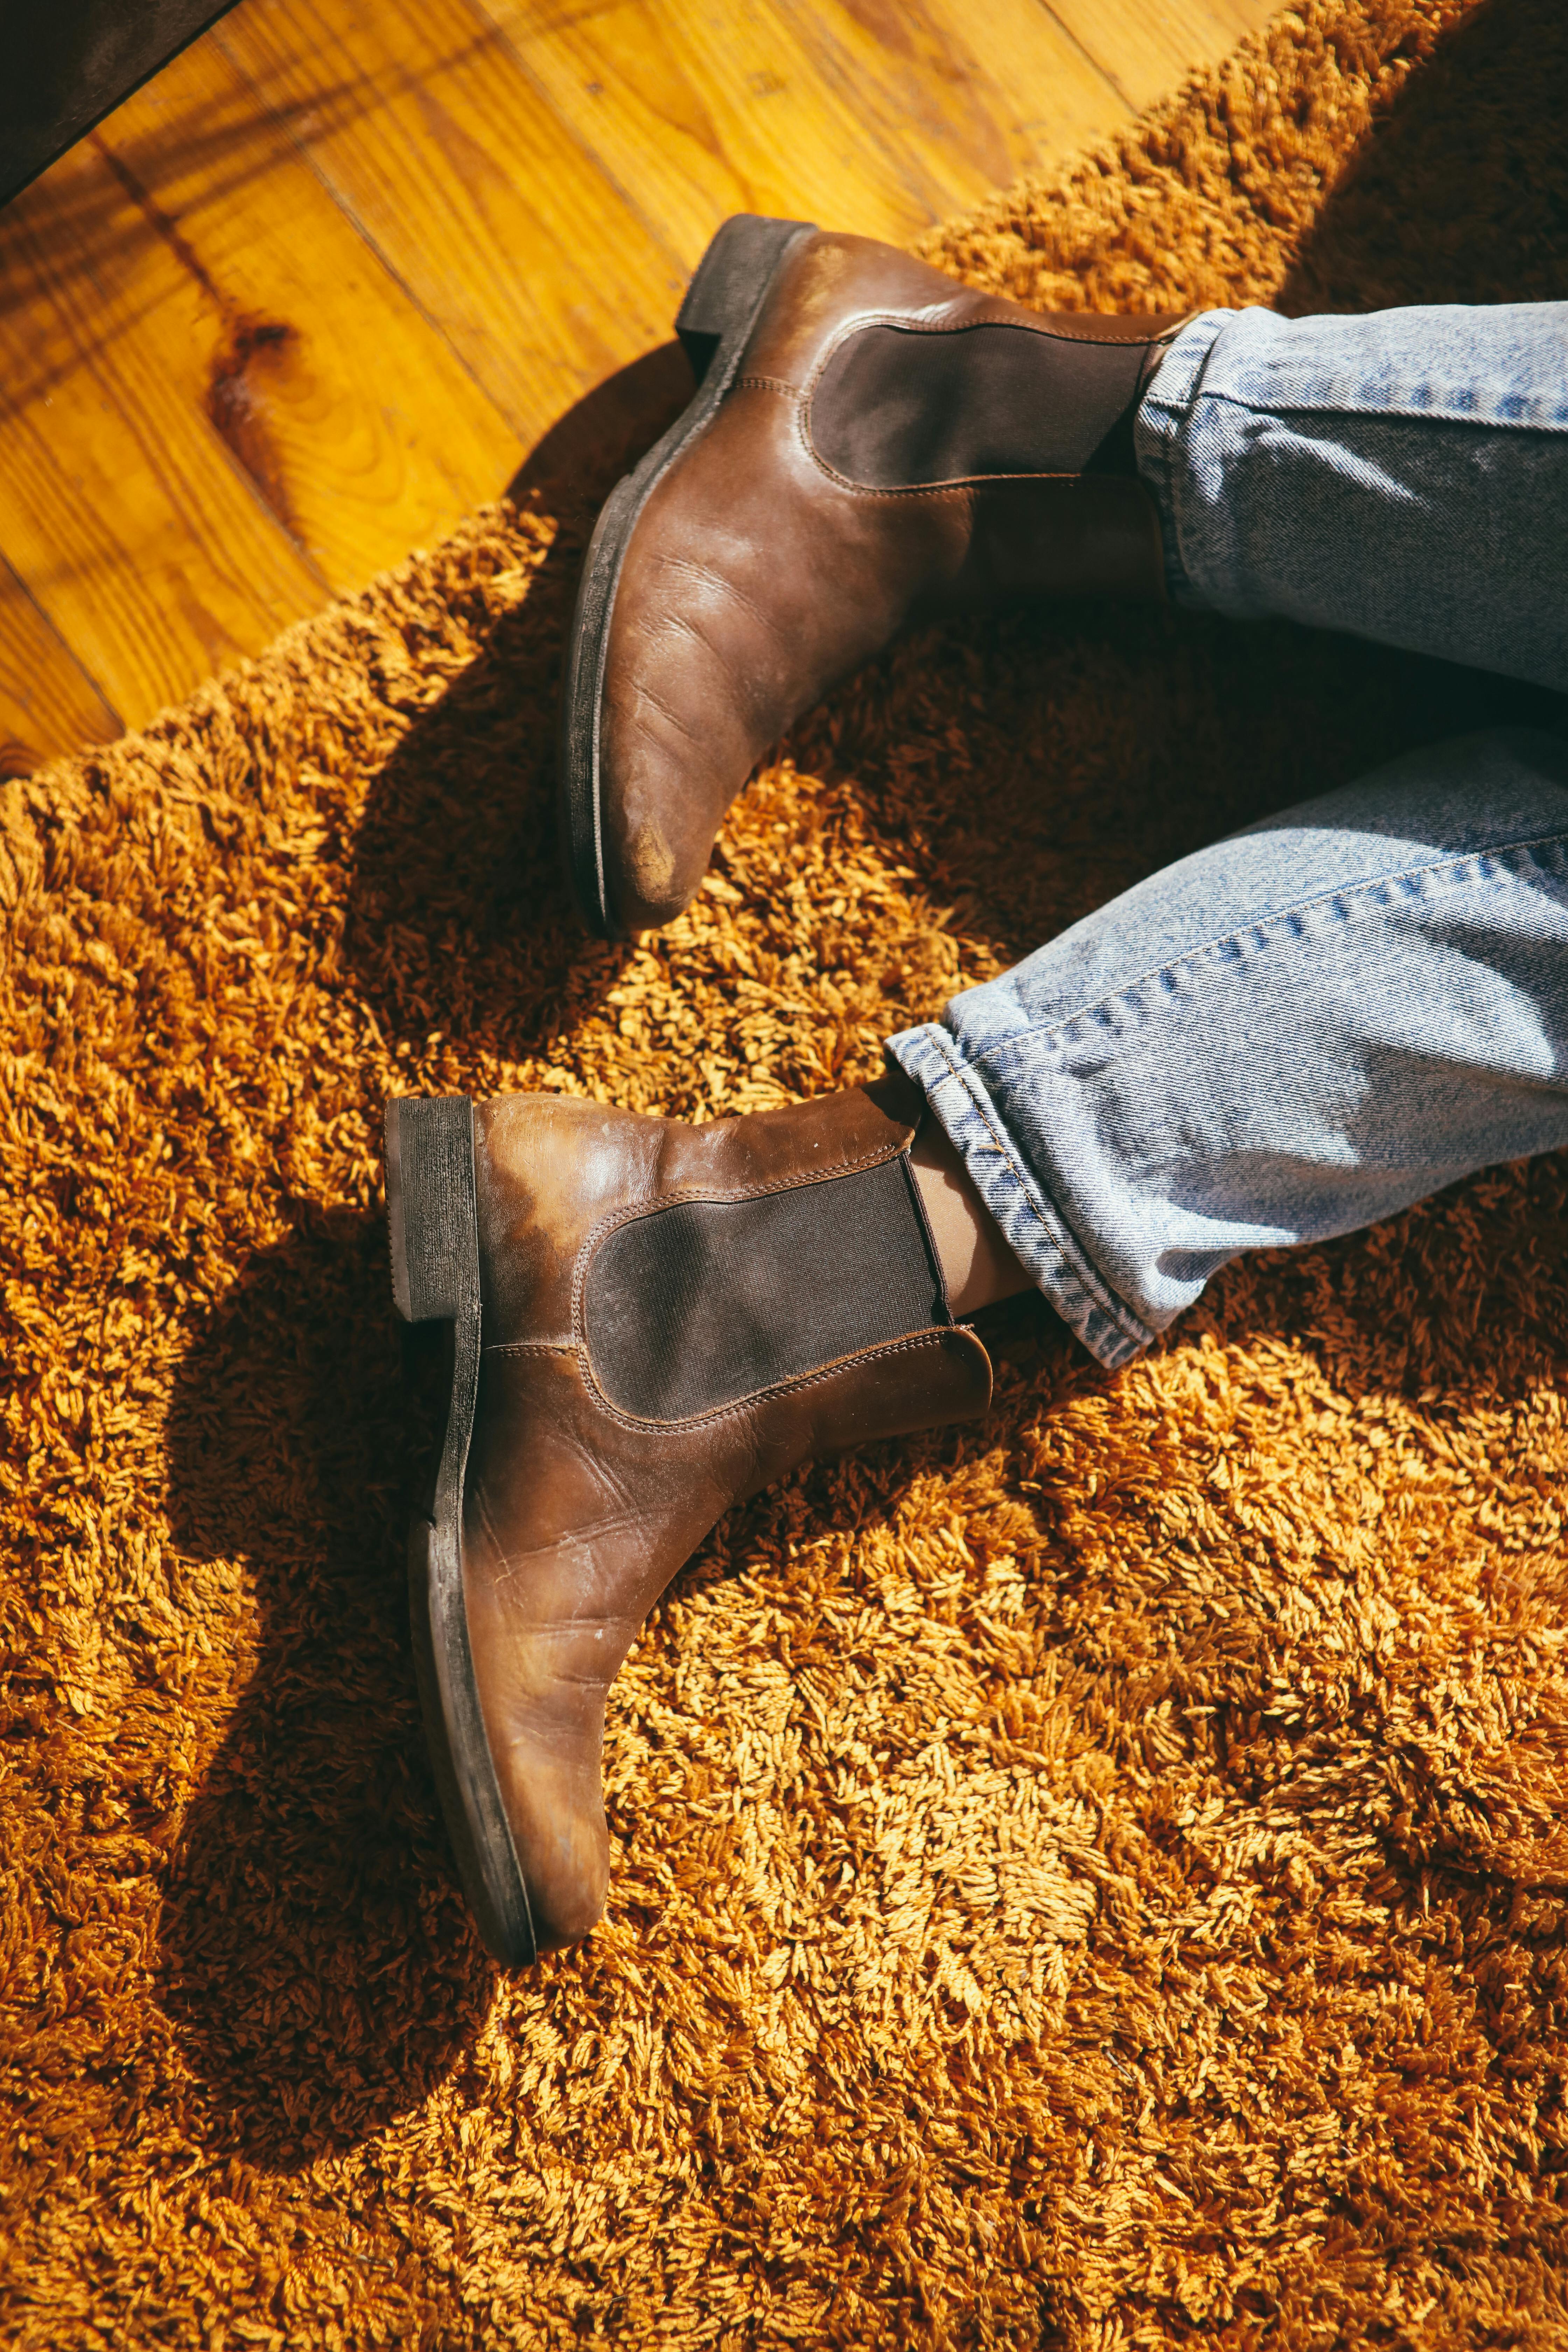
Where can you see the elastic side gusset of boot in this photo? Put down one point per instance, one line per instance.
(694, 1307)
(898, 407)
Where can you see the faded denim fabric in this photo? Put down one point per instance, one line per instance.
(1402, 474)
(1287, 1035)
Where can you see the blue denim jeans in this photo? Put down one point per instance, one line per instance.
(1334, 1012)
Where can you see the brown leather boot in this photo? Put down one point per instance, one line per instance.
(649, 1322)
(869, 445)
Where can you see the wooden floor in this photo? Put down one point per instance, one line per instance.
(320, 285)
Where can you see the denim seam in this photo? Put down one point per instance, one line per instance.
(1359, 891)
(1097, 1292)
(1364, 415)
(1173, 418)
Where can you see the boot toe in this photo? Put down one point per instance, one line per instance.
(649, 883)
(556, 1814)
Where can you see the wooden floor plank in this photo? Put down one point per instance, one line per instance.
(424, 125)
(360, 425)
(219, 404)
(47, 702)
(120, 509)
(1147, 47)
(804, 111)
(986, 88)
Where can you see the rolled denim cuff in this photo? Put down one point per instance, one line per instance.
(1163, 418)
(975, 1123)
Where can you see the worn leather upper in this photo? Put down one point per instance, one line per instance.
(577, 1515)
(757, 575)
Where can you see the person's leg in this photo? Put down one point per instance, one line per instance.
(1289, 1035)
(1402, 474)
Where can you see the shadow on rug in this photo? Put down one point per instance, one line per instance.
(306, 1843)
(1094, 1879)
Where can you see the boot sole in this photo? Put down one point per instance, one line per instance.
(433, 1220)
(722, 305)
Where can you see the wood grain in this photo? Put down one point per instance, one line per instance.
(1147, 47)
(122, 512)
(47, 702)
(986, 88)
(433, 139)
(876, 118)
(359, 426)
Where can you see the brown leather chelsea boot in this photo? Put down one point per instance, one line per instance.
(649, 1322)
(869, 445)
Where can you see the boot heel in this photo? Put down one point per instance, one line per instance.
(432, 1216)
(431, 1208)
(723, 295)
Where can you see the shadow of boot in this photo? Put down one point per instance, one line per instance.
(316, 1955)
(1461, 194)
(601, 436)
(460, 917)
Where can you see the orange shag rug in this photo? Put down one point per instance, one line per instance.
(1095, 1880)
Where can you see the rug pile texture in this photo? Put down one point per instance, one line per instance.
(1094, 1880)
